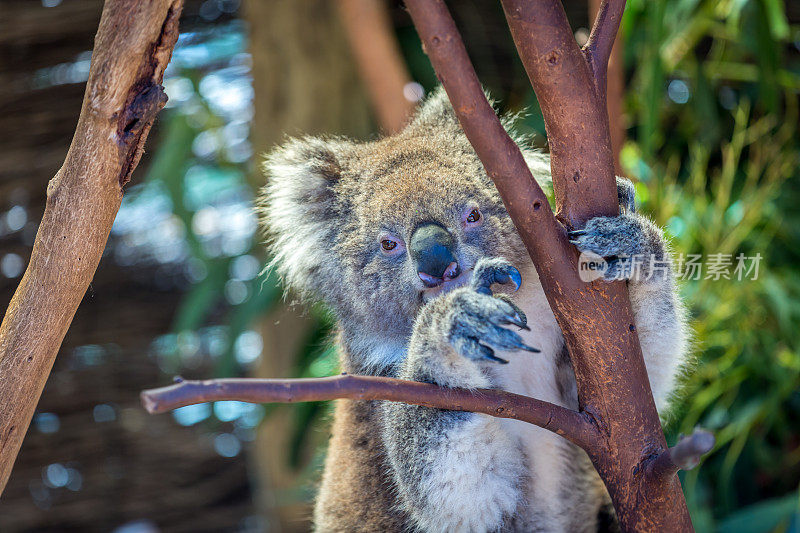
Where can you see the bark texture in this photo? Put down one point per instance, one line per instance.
(133, 45)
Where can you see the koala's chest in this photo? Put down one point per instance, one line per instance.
(537, 376)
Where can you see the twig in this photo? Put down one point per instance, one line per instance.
(685, 455)
(133, 45)
(560, 420)
(615, 91)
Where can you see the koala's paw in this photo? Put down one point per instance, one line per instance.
(627, 243)
(477, 320)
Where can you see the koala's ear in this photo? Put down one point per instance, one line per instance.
(307, 167)
(298, 206)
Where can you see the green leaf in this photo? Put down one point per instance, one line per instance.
(763, 517)
(778, 24)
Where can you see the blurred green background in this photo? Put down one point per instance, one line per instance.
(710, 115)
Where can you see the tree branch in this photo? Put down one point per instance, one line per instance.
(576, 122)
(615, 91)
(133, 45)
(601, 41)
(565, 422)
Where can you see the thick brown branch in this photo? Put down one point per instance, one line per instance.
(565, 422)
(377, 55)
(123, 94)
(574, 112)
(601, 41)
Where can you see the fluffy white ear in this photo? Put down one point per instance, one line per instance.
(298, 209)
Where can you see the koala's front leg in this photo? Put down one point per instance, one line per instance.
(635, 250)
(458, 471)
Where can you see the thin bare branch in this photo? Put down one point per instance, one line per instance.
(615, 91)
(685, 455)
(601, 40)
(565, 422)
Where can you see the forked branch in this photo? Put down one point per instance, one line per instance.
(560, 420)
(601, 41)
(596, 319)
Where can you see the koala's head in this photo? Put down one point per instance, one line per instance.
(376, 229)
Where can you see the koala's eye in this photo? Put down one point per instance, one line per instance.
(474, 216)
(388, 245)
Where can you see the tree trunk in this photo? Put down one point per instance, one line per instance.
(133, 45)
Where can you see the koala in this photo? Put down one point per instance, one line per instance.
(407, 241)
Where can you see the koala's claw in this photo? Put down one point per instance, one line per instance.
(477, 326)
(497, 359)
(515, 320)
(519, 318)
(523, 346)
(490, 271)
(489, 354)
(628, 243)
(478, 319)
(470, 347)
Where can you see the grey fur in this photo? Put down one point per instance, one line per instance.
(327, 205)
(626, 194)
(631, 245)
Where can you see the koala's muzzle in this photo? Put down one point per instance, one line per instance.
(431, 247)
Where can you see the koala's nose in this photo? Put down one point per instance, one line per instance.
(431, 248)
